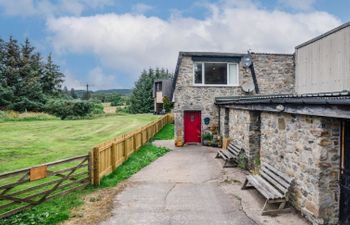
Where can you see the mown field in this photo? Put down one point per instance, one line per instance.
(28, 143)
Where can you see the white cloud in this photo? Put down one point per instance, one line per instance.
(131, 42)
(71, 82)
(141, 8)
(99, 80)
(13, 8)
(48, 8)
(298, 4)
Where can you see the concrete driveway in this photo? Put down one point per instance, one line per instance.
(189, 186)
(181, 187)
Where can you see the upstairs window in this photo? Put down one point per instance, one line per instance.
(159, 86)
(215, 74)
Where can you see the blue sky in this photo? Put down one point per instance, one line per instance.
(107, 43)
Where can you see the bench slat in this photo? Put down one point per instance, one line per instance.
(233, 151)
(234, 147)
(260, 187)
(227, 154)
(276, 178)
(222, 154)
(274, 170)
(272, 182)
(270, 188)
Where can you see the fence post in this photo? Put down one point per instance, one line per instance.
(91, 167)
(124, 147)
(113, 155)
(96, 165)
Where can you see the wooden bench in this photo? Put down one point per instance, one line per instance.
(273, 185)
(230, 155)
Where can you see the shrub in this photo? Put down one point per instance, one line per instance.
(116, 101)
(73, 109)
(207, 136)
(26, 105)
(167, 104)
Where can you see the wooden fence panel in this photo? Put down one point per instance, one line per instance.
(109, 155)
(138, 140)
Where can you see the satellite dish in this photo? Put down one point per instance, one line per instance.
(247, 61)
(248, 87)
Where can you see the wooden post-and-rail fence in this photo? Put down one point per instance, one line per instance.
(25, 188)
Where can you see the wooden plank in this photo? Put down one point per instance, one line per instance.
(54, 173)
(276, 178)
(282, 175)
(233, 152)
(13, 173)
(255, 183)
(113, 156)
(96, 167)
(222, 155)
(269, 186)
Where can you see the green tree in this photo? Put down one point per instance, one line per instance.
(52, 78)
(29, 95)
(141, 100)
(11, 73)
(6, 93)
(167, 104)
(116, 100)
(10, 76)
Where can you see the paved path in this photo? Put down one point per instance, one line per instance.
(179, 188)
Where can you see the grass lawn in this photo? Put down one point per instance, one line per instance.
(167, 133)
(28, 143)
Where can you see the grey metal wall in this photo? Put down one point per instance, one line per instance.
(323, 65)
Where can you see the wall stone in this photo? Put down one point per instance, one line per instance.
(244, 130)
(307, 149)
(275, 74)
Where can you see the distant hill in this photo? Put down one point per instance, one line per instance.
(126, 92)
(119, 91)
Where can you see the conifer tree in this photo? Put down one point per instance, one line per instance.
(52, 78)
(141, 100)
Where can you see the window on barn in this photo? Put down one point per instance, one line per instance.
(215, 74)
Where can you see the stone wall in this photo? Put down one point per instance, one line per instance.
(244, 130)
(274, 72)
(307, 149)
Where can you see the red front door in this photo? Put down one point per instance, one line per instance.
(192, 122)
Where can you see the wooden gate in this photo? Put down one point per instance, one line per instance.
(26, 188)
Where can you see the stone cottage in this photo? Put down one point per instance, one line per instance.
(296, 117)
(202, 76)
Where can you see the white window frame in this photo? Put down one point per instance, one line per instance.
(215, 85)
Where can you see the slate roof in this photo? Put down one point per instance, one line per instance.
(328, 98)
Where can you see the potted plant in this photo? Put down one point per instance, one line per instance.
(207, 139)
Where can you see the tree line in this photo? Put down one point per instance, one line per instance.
(27, 81)
(30, 83)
